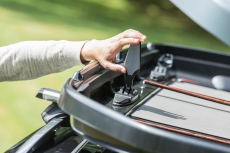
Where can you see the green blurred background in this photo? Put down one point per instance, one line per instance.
(24, 20)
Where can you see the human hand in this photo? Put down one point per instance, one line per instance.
(105, 51)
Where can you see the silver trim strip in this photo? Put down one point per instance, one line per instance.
(80, 146)
(50, 95)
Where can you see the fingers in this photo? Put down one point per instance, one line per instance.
(128, 37)
(132, 34)
(114, 67)
(126, 41)
(107, 49)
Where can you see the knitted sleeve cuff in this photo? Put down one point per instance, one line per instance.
(72, 51)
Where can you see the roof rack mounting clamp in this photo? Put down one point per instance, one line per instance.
(161, 71)
(132, 63)
(125, 97)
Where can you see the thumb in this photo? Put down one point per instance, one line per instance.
(114, 67)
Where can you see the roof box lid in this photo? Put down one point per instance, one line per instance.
(212, 15)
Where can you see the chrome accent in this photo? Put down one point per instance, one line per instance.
(51, 95)
(78, 76)
(80, 146)
(150, 46)
(221, 82)
(119, 58)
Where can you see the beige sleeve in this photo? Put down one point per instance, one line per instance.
(32, 59)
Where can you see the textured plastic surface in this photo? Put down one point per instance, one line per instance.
(187, 112)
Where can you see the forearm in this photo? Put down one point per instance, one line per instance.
(32, 59)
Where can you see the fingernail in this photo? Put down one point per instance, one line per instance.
(143, 37)
(123, 70)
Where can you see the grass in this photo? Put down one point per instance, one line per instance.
(81, 20)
